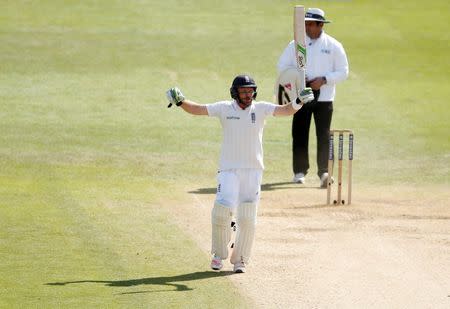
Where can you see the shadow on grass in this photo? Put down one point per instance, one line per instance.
(264, 187)
(167, 281)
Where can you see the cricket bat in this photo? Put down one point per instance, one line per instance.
(300, 45)
(291, 81)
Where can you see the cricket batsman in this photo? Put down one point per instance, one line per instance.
(241, 163)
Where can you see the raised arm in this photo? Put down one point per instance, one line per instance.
(286, 109)
(194, 108)
(175, 96)
(304, 97)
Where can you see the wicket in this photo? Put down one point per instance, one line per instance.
(341, 133)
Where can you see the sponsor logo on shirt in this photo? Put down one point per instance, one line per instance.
(325, 51)
(253, 118)
(233, 117)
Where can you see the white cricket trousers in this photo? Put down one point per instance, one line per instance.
(238, 186)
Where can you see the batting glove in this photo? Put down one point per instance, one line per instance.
(175, 96)
(305, 96)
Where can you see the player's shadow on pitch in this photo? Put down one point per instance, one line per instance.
(264, 187)
(172, 281)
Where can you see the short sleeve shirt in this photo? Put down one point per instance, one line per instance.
(242, 133)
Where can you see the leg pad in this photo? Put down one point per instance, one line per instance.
(221, 232)
(246, 224)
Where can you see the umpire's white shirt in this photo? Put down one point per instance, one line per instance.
(325, 56)
(242, 133)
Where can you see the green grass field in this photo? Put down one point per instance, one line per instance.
(90, 156)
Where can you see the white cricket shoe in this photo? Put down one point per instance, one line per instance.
(216, 263)
(324, 180)
(299, 178)
(239, 267)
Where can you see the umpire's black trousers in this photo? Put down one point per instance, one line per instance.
(322, 112)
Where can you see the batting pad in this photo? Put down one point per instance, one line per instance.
(288, 85)
(246, 223)
(221, 232)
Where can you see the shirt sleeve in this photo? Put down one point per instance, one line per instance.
(267, 108)
(214, 109)
(287, 58)
(340, 72)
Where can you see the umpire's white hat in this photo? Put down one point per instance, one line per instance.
(315, 14)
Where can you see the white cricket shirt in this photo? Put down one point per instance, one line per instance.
(242, 133)
(325, 56)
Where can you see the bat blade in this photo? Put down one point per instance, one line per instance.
(300, 43)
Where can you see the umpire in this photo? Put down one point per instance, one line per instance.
(326, 65)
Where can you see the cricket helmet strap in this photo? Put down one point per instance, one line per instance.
(242, 81)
